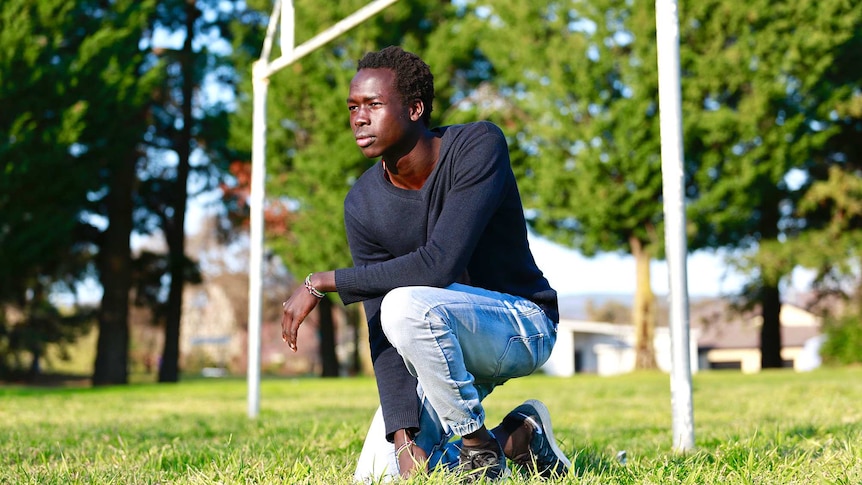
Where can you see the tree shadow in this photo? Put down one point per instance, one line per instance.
(48, 380)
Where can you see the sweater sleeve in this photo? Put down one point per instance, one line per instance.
(479, 179)
(396, 387)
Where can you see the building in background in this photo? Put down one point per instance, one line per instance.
(719, 339)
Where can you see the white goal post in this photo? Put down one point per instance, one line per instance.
(673, 188)
(283, 15)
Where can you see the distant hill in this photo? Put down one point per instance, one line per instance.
(575, 306)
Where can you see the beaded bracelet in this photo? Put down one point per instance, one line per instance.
(405, 447)
(311, 289)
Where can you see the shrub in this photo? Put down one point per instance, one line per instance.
(843, 340)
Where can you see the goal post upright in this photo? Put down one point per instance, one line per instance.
(287, 30)
(673, 187)
(283, 19)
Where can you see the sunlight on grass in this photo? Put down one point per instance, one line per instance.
(773, 427)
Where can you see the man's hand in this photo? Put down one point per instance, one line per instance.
(412, 459)
(296, 308)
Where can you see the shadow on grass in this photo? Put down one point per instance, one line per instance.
(48, 380)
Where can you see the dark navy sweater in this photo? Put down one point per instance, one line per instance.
(466, 224)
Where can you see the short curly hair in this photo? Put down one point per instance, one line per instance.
(413, 78)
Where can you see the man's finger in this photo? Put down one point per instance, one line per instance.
(291, 338)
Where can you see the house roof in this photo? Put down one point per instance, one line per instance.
(738, 335)
(721, 328)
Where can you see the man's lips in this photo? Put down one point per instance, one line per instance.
(364, 140)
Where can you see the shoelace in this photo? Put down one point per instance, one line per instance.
(483, 458)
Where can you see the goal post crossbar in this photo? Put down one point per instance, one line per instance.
(291, 54)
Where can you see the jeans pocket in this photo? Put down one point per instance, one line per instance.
(523, 355)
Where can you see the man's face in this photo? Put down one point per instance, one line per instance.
(380, 120)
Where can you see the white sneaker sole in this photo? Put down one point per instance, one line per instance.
(545, 416)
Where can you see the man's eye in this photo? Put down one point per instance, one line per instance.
(351, 108)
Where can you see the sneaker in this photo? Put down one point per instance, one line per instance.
(483, 461)
(544, 456)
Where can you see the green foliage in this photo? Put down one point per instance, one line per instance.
(311, 431)
(69, 75)
(833, 249)
(758, 83)
(52, 81)
(40, 120)
(843, 343)
(579, 88)
(25, 340)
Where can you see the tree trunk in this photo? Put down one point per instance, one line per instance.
(169, 366)
(35, 368)
(328, 357)
(643, 310)
(115, 269)
(351, 316)
(363, 347)
(770, 332)
(769, 294)
(175, 226)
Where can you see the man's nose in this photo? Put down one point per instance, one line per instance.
(360, 117)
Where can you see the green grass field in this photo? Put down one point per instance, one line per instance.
(776, 427)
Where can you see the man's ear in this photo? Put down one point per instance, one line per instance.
(417, 109)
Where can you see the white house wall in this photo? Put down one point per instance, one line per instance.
(607, 349)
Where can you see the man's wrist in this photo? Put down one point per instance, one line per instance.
(311, 289)
(403, 440)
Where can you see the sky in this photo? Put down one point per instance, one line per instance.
(570, 273)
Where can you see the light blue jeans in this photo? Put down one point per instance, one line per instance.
(460, 342)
